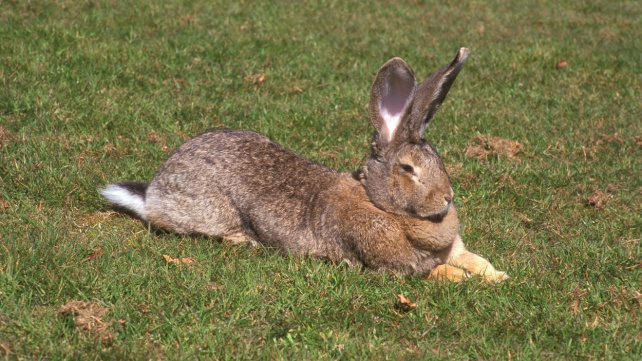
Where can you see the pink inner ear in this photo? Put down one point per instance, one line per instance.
(394, 102)
(391, 121)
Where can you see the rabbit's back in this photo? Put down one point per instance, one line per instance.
(241, 186)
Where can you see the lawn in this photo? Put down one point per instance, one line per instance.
(541, 134)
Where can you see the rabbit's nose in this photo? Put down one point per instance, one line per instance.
(448, 198)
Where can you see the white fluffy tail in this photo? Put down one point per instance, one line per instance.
(128, 195)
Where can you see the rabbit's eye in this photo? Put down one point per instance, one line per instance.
(407, 169)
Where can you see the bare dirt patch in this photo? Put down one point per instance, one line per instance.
(486, 146)
(598, 200)
(153, 137)
(4, 349)
(575, 298)
(86, 223)
(93, 219)
(88, 318)
(6, 136)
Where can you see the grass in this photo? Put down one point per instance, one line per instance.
(101, 91)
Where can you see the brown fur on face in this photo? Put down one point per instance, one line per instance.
(397, 216)
(410, 181)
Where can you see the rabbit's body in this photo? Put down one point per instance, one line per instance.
(318, 211)
(395, 215)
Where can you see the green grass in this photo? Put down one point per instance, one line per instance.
(101, 91)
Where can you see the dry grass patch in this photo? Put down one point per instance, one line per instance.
(88, 318)
(486, 146)
(575, 297)
(155, 138)
(6, 136)
(598, 200)
(92, 219)
(4, 349)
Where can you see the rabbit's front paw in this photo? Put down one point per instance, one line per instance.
(446, 272)
(495, 276)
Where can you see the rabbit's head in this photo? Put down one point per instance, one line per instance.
(404, 174)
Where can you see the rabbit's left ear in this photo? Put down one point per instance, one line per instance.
(432, 93)
(390, 100)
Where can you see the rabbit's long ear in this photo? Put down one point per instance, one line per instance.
(391, 100)
(431, 94)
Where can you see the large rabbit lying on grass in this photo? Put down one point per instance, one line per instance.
(397, 214)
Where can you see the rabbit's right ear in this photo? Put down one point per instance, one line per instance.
(431, 94)
(391, 100)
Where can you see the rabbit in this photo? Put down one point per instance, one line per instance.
(395, 215)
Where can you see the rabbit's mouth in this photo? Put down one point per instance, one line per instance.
(434, 216)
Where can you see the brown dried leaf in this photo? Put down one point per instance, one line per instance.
(405, 303)
(95, 254)
(561, 64)
(178, 261)
(171, 259)
(256, 79)
(188, 260)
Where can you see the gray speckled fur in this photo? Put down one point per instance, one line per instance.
(396, 214)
